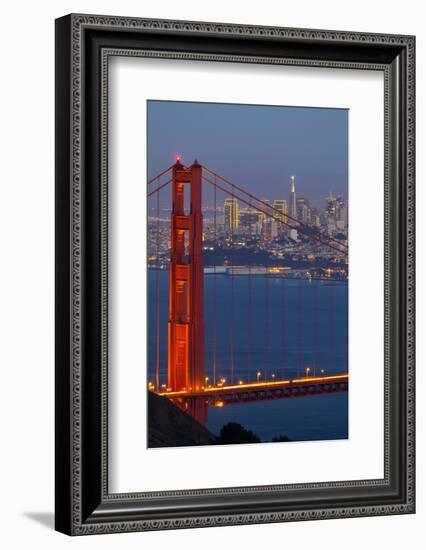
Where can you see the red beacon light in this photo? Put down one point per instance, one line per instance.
(178, 159)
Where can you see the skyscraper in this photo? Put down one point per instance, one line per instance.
(293, 206)
(331, 207)
(280, 205)
(250, 220)
(230, 214)
(303, 210)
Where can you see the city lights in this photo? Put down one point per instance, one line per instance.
(277, 228)
(293, 239)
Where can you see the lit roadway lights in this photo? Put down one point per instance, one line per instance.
(259, 385)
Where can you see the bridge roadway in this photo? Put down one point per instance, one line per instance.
(257, 391)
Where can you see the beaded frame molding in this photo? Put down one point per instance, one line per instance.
(84, 44)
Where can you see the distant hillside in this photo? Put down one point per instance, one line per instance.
(170, 426)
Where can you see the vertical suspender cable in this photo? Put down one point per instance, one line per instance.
(315, 326)
(266, 325)
(346, 334)
(299, 306)
(282, 325)
(330, 326)
(249, 313)
(157, 298)
(231, 257)
(214, 288)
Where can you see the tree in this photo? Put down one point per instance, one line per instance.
(232, 432)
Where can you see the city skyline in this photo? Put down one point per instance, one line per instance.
(260, 227)
(248, 269)
(297, 209)
(263, 146)
(282, 199)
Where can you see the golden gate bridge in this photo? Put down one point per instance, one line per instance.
(187, 385)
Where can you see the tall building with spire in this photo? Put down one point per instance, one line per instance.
(293, 203)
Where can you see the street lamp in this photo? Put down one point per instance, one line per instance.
(307, 371)
(258, 374)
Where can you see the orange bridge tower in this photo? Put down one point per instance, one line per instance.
(186, 292)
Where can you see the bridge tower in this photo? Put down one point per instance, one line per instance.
(186, 291)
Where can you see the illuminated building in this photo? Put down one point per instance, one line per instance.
(230, 214)
(336, 213)
(342, 212)
(250, 220)
(303, 210)
(281, 206)
(293, 208)
(266, 221)
(331, 207)
(267, 229)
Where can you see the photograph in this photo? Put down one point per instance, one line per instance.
(234, 272)
(248, 273)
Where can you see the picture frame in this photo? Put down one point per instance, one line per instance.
(84, 504)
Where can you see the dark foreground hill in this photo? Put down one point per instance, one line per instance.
(170, 426)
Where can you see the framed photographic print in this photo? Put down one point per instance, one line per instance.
(234, 274)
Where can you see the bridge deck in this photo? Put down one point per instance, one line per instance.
(255, 391)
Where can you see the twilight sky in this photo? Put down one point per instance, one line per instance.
(257, 147)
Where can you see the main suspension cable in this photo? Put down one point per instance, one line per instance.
(264, 204)
(232, 194)
(159, 175)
